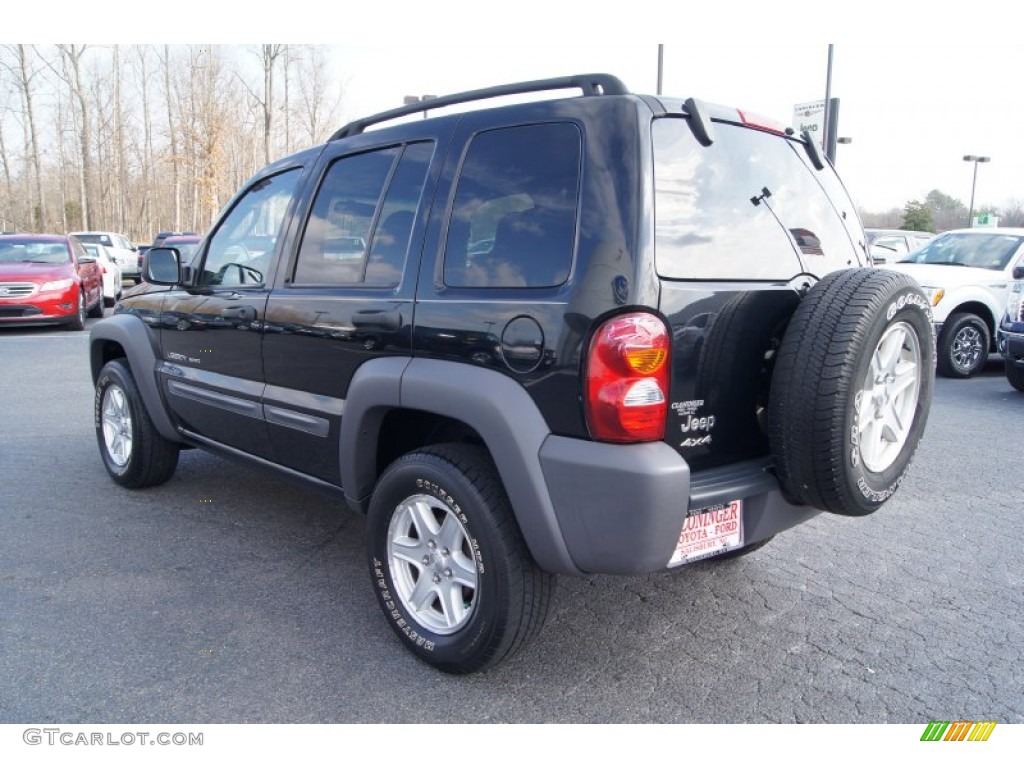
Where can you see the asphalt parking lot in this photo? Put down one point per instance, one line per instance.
(229, 596)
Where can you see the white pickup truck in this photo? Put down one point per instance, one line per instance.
(965, 273)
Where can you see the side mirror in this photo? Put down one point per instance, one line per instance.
(160, 266)
(86, 260)
(1018, 272)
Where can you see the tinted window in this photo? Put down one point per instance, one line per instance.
(747, 207)
(360, 226)
(241, 250)
(513, 223)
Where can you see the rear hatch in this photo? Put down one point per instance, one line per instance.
(743, 225)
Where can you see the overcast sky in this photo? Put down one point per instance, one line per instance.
(938, 84)
(912, 111)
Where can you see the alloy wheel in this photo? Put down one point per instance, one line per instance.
(117, 425)
(888, 397)
(432, 564)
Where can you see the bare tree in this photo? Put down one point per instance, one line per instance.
(25, 72)
(172, 135)
(269, 54)
(71, 73)
(318, 106)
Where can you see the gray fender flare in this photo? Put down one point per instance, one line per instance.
(136, 339)
(494, 405)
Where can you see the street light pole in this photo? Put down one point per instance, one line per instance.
(974, 182)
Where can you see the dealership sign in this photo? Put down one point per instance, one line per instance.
(810, 117)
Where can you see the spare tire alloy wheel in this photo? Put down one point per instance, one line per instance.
(888, 398)
(449, 565)
(851, 390)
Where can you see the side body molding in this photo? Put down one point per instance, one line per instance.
(494, 405)
(131, 334)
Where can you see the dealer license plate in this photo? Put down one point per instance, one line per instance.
(709, 531)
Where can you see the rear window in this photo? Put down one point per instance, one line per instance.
(746, 208)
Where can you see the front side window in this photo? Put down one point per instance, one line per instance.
(745, 208)
(242, 249)
(360, 227)
(513, 222)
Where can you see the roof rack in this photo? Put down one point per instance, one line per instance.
(592, 85)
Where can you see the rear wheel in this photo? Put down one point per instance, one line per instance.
(96, 310)
(77, 321)
(449, 565)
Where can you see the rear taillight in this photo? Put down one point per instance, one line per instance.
(627, 379)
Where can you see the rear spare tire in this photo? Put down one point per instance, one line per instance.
(851, 390)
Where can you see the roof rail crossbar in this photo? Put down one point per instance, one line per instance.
(591, 85)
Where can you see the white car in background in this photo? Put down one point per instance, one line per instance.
(966, 274)
(123, 251)
(111, 272)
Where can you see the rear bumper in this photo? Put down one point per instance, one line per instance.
(621, 508)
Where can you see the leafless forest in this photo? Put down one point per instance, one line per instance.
(140, 138)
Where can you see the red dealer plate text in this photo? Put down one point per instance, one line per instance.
(709, 531)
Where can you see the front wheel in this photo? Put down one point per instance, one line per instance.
(135, 454)
(449, 565)
(1014, 374)
(963, 346)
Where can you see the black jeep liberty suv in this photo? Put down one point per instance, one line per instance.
(599, 333)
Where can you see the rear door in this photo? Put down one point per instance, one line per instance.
(346, 295)
(741, 228)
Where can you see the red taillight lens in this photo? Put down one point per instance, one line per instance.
(627, 379)
(759, 121)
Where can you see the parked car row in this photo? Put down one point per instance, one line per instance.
(62, 279)
(48, 279)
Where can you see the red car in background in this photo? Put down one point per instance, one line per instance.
(48, 279)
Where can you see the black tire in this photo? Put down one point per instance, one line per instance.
(1014, 374)
(505, 596)
(96, 310)
(846, 416)
(77, 321)
(134, 453)
(963, 346)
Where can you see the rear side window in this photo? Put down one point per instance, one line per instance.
(745, 208)
(361, 223)
(513, 222)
